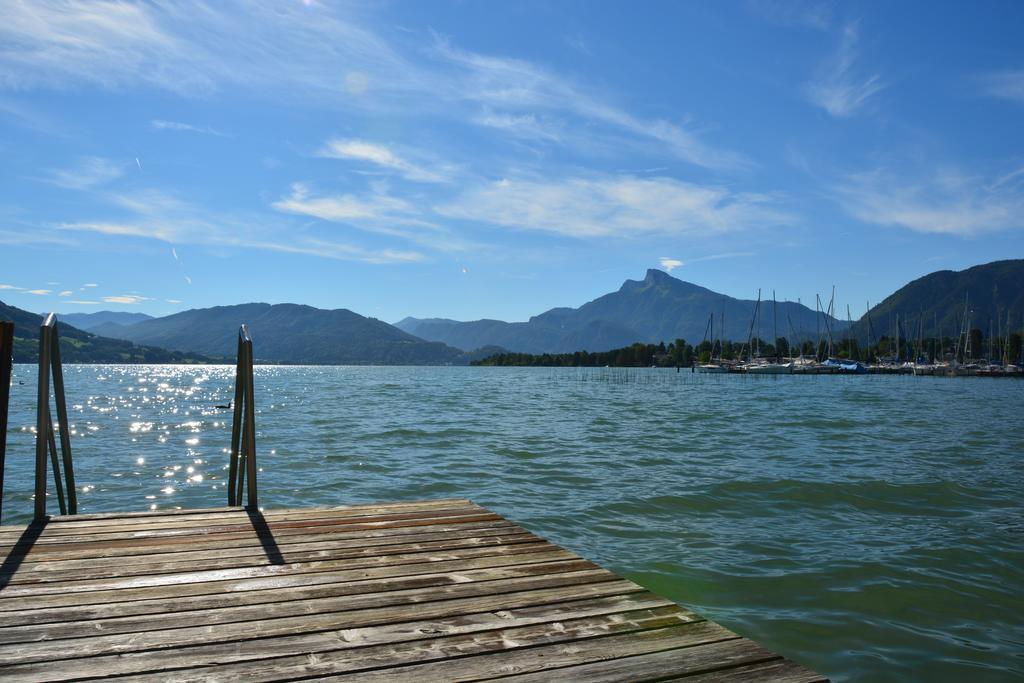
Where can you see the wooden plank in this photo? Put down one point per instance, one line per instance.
(299, 606)
(566, 662)
(72, 526)
(60, 534)
(50, 571)
(251, 539)
(394, 562)
(777, 671)
(177, 603)
(136, 642)
(252, 545)
(637, 606)
(276, 582)
(443, 648)
(94, 516)
(656, 665)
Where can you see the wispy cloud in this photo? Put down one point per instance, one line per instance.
(38, 292)
(614, 207)
(948, 202)
(10, 287)
(82, 302)
(361, 150)
(66, 292)
(1007, 85)
(160, 124)
(670, 263)
(89, 172)
(313, 51)
(839, 87)
(126, 299)
(516, 86)
(160, 216)
(89, 285)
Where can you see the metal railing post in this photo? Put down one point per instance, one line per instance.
(49, 361)
(6, 371)
(42, 416)
(242, 463)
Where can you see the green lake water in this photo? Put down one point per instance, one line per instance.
(870, 527)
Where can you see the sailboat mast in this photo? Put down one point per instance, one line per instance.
(775, 326)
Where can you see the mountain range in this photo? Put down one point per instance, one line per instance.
(289, 333)
(657, 308)
(90, 321)
(79, 346)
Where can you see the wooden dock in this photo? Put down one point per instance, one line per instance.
(428, 591)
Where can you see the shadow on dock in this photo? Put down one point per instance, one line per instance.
(266, 536)
(19, 550)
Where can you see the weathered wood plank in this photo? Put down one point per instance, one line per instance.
(298, 606)
(57, 534)
(103, 610)
(250, 539)
(555, 662)
(394, 562)
(636, 606)
(52, 651)
(253, 547)
(81, 570)
(213, 512)
(276, 582)
(776, 671)
(387, 657)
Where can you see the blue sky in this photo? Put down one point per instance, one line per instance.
(484, 159)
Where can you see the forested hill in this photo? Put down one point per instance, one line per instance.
(991, 292)
(292, 333)
(78, 346)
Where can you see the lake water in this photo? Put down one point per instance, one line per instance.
(870, 527)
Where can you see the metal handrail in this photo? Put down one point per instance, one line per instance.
(6, 370)
(49, 363)
(242, 462)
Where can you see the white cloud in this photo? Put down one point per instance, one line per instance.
(520, 125)
(89, 285)
(614, 207)
(38, 292)
(361, 150)
(10, 287)
(311, 51)
(82, 302)
(948, 202)
(187, 49)
(669, 263)
(837, 87)
(1007, 85)
(160, 216)
(126, 299)
(87, 173)
(159, 124)
(66, 292)
(173, 301)
(516, 86)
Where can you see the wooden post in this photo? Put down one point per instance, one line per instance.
(43, 415)
(6, 370)
(250, 415)
(236, 430)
